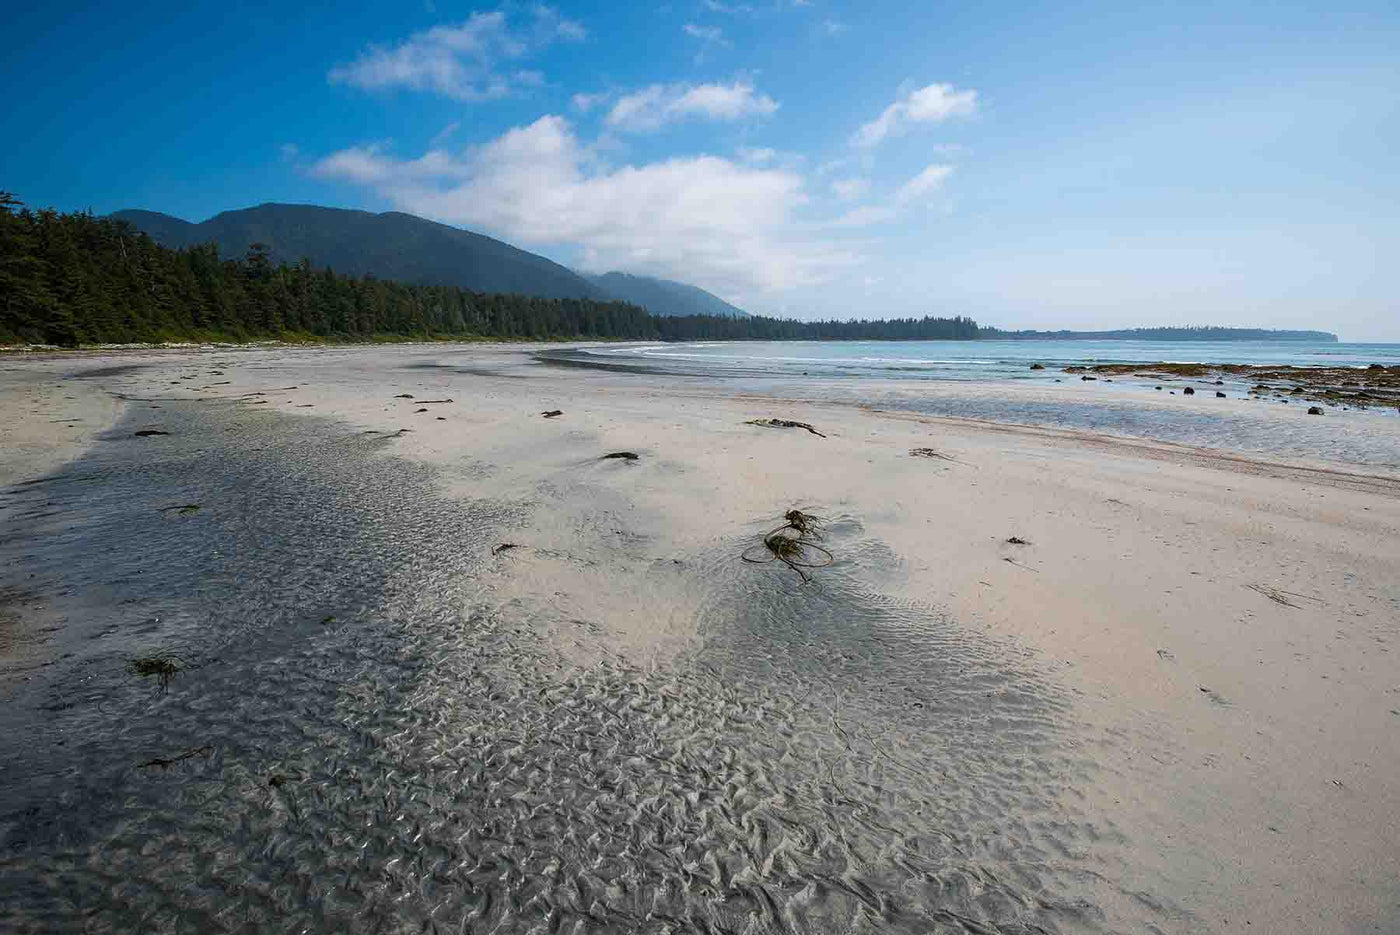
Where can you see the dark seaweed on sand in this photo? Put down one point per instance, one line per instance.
(784, 424)
(791, 544)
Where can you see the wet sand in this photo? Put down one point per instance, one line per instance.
(1174, 708)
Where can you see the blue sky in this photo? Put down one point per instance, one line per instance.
(1068, 165)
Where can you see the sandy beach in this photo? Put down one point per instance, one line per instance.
(438, 662)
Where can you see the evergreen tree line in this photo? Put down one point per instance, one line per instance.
(72, 279)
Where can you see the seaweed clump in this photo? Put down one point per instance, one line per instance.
(163, 667)
(784, 424)
(167, 762)
(792, 544)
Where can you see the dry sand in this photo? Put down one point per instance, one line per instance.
(1227, 622)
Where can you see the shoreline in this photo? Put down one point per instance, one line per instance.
(1141, 583)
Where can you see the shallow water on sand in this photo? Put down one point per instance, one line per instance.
(377, 744)
(1126, 405)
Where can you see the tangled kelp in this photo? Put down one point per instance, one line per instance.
(163, 667)
(1280, 596)
(931, 453)
(167, 762)
(791, 544)
(784, 424)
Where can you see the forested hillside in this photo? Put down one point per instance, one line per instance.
(72, 279)
(393, 245)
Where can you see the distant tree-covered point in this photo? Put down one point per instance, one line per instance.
(75, 279)
(1194, 333)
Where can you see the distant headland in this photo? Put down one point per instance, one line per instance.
(1202, 333)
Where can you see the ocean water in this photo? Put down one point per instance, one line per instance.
(993, 380)
(980, 360)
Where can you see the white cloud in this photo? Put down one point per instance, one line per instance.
(850, 189)
(922, 184)
(583, 103)
(865, 216)
(714, 6)
(368, 165)
(934, 103)
(833, 27)
(460, 61)
(729, 227)
(550, 25)
(912, 191)
(709, 36)
(358, 164)
(655, 106)
(443, 135)
(289, 151)
(774, 158)
(705, 33)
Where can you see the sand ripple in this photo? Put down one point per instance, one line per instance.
(391, 750)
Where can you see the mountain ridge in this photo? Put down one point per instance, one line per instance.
(391, 245)
(669, 295)
(405, 248)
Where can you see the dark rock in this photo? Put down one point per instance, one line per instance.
(404, 396)
(147, 433)
(1189, 392)
(552, 413)
(1219, 382)
(1219, 395)
(623, 455)
(1037, 366)
(1088, 378)
(1314, 410)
